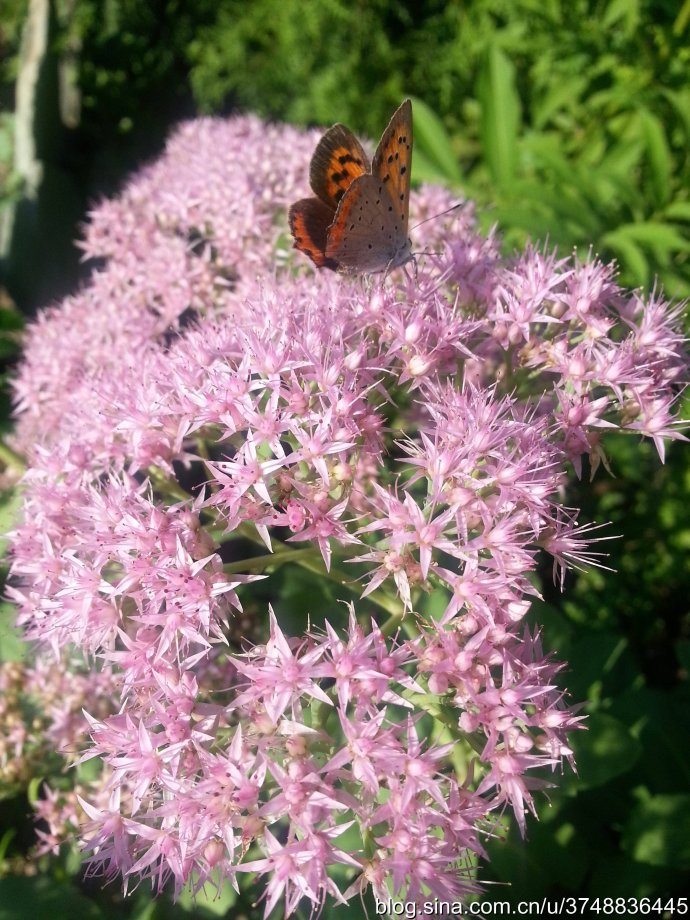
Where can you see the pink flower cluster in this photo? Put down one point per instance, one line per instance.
(405, 440)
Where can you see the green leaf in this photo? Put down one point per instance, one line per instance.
(602, 665)
(566, 206)
(10, 503)
(500, 115)
(425, 170)
(682, 19)
(659, 154)
(604, 751)
(658, 831)
(43, 898)
(145, 910)
(554, 854)
(10, 320)
(5, 842)
(559, 94)
(209, 902)
(661, 723)
(433, 142)
(518, 223)
(554, 227)
(677, 286)
(680, 100)
(33, 791)
(629, 254)
(624, 157)
(624, 12)
(678, 210)
(11, 646)
(616, 875)
(658, 236)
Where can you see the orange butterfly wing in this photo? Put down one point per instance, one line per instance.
(369, 230)
(359, 219)
(339, 158)
(309, 220)
(393, 160)
(367, 234)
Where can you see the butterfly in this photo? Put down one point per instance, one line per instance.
(358, 221)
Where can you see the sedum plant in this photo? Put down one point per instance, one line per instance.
(280, 532)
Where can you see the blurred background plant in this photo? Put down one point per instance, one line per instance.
(567, 121)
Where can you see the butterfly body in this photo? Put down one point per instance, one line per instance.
(358, 221)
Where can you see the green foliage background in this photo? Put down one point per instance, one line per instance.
(567, 120)
(571, 118)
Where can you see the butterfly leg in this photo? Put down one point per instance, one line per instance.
(413, 259)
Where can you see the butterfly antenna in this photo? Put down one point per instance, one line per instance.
(435, 216)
